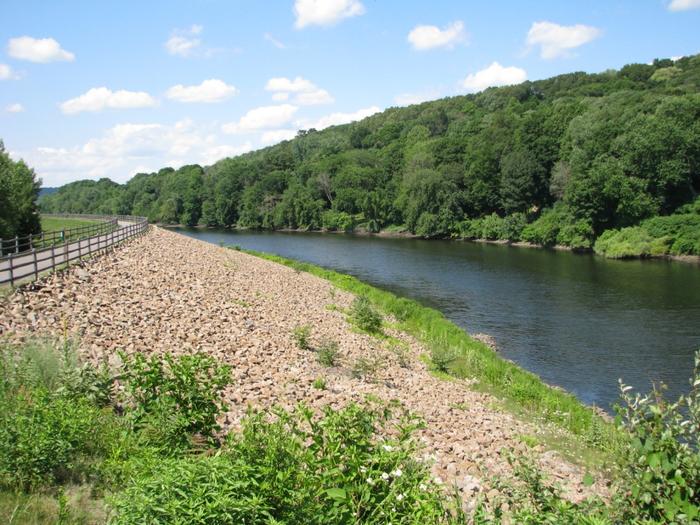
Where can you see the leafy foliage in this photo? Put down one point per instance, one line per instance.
(364, 315)
(19, 190)
(555, 161)
(661, 465)
(171, 399)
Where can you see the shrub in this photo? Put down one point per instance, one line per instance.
(337, 221)
(661, 462)
(544, 230)
(50, 430)
(295, 468)
(365, 316)
(319, 383)
(493, 227)
(513, 226)
(170, 399)
(364, 368)
(301, 337)
(442, 357)
(627, 242)
(328, 352)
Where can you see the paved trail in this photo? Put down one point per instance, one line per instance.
(166, 293)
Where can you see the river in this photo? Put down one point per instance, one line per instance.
(578, 321)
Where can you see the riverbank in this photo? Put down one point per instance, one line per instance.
(401, 234)
(167, 293)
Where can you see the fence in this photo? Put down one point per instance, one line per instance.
(45, 239)
(39, 257)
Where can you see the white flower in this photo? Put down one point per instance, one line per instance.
(370, 481)
(399, 497)
(363, 469)
(438, 480)
(423, 486)
(388, 448)
(397, 473)
(385, 476)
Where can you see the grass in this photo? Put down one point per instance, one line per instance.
(51, 224)
(517, 388)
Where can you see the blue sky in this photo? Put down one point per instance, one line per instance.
(107, 89)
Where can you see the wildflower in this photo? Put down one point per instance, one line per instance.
(370, 482)
(388, 448)
(397, 473)
(423, 486)
(399, 497)
(363, 469)
(385, 476)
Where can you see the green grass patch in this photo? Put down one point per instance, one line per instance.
(52, 224)
(472, 359)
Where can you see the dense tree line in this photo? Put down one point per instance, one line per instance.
(556, 161)
(19, 189)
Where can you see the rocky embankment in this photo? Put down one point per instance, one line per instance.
(167, 293)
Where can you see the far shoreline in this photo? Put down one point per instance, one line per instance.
(389, 234)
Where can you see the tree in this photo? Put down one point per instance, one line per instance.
(19, 190)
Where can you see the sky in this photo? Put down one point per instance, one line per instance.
(109, 89)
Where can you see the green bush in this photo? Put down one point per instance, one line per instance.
(328, 352)
(51, 431)
(365, 316)
(661, 462)
(493, 227)
(301, 336)
(295, 468)
(513, 226)
(171, 399)
(545, 229)
(627, 242)
(333, 220)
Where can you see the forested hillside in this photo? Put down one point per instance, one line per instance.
(556, 161)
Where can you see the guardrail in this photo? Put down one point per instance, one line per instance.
(37, 258)
(45, 239)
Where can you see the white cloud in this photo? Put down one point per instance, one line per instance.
(264, 117)
(423, 38)
(494, 75)
(296, 85)
(306, 92)
(6, 73)
(406, 99)
(335, 119)
(325, 12)
(38, 50)
(277, 135)
(683, 5)
(14, 108)
(97, 99)
(274, 41)
(181, 46)
(556, 40)
(183, 42)
(212, 90)
(129, 148)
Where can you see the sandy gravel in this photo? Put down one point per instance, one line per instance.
(167, 293)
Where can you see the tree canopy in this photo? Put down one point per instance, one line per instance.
(555, 161)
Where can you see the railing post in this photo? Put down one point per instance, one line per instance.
(16, 244)
(36, 264)
(12, 273)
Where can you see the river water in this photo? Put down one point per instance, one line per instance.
(578, 321)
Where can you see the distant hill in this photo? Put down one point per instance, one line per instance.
(554, 161)
(47, 191)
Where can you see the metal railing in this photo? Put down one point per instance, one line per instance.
(38, 257)
(45, 239)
